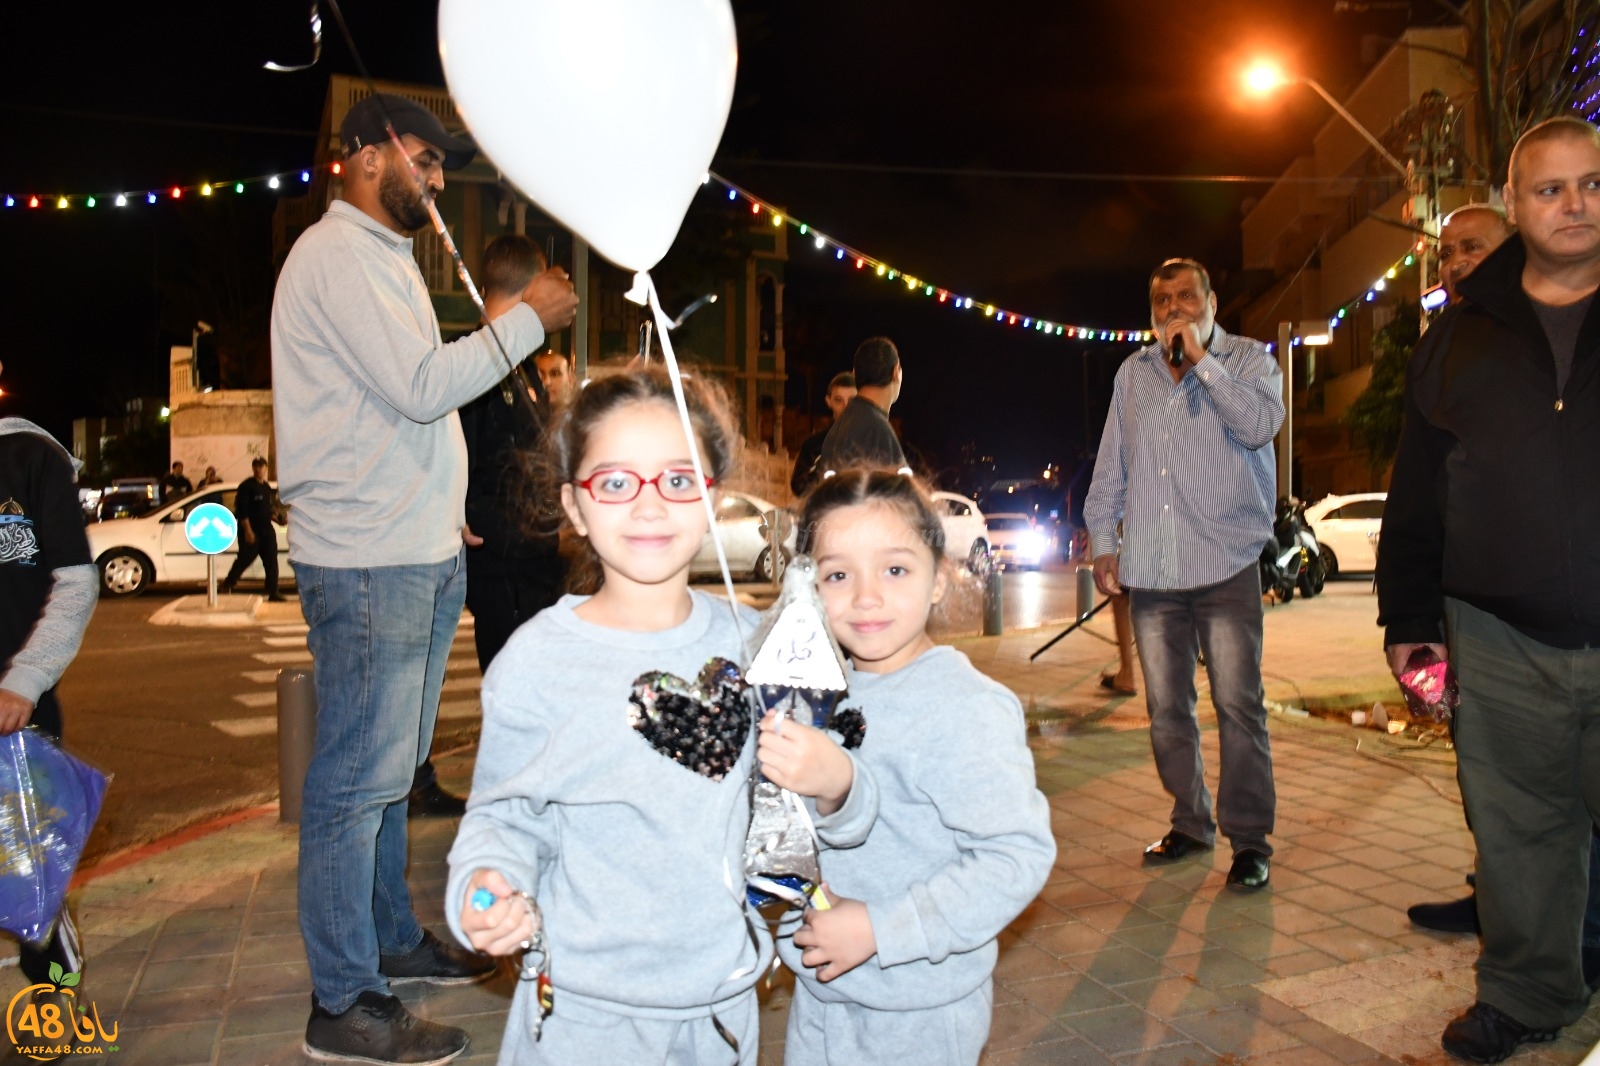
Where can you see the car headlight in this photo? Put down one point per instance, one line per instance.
(1033, 543)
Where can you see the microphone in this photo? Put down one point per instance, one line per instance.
(1175, 349)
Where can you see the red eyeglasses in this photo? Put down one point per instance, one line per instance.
(624, 486)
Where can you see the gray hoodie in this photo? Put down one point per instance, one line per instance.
(371, 458)
(962, 841)
(636, 862)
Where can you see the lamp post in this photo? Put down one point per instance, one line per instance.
(1311, 335)
(1264, 78)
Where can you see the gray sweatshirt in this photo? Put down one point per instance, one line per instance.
(962, 842)
(364, 397)
(636, 862)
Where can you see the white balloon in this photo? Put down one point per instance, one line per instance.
(606, 113)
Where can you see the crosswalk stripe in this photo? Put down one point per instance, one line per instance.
(257, 699)
(297, 627)
(262, 725)
(284, 642)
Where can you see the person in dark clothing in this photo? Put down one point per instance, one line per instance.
(252, 503)
(174, 486)
(513, 573)
(862, 434)
(841, 390)
(1502, 417)
(49, 587)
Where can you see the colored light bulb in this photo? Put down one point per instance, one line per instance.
(272, 182)
(122, 201)
(238, 186)
(61, 203)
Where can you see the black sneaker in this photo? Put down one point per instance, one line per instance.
(378, 1028)
(431, 801)
(1487, 1034)
(437, 963)
(1456, 916)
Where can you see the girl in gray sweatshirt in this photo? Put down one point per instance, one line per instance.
(900, 968)
(621, 819)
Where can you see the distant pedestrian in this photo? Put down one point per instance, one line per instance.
(1502, 417)
(372, 464)
(174, 486)
(806, 473)
(211, 478)
(49, 587)
(1186, 465)
(252, 504)
(862, 434)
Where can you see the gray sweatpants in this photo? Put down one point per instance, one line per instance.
(580, 1035)
(1528, 757)
(848, 1034)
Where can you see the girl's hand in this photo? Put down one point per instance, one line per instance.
(502, 928)
(837, 940)
(805, 761)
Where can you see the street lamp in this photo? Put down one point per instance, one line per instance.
(1264, 78)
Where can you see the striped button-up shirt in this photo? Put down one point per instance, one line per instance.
(1188, 469)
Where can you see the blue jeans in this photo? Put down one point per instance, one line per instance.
(1171, 628)
(379, 639)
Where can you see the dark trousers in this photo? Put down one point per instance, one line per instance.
(1528, 758)
(264, 546)
(501, 597)
(1171, 627)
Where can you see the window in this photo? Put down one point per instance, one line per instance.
(957, 509)
(1365, 509)
(438, 269)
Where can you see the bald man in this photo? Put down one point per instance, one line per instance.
(1466, 238)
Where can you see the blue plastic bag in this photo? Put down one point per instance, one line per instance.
(49, 801)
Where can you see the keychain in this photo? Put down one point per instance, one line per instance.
(535, 955)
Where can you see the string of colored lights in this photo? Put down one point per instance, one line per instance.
(843, 252)
(63, 201)
(1340, 314)
(862, 261)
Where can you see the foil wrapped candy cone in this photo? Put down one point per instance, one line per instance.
(799, 672)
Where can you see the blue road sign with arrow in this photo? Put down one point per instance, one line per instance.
(211, 528)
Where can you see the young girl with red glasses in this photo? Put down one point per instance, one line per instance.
(630, 859)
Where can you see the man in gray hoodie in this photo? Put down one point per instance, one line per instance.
(372, 462)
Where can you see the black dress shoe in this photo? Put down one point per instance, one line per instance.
(1174, 846)
(437, 963)
(431, 801)
(1251, 869)
(1456, 916)
(1488, 1034)
(378, 1028)
(277, 598)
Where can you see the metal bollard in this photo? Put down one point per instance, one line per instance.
(297, 738)
(994, 601)
(1085, 591)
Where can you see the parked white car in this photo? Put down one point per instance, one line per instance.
(966, 532)
(739, 523)
(1016, 541)
(1345, 527)
(134, 553)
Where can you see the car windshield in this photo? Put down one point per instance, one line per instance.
(1004, 524)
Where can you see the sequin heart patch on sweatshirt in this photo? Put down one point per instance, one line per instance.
(701, 726)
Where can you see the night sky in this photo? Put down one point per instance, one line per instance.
(106, 96)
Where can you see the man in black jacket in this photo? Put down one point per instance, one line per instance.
(1488, 543)
(252, 503)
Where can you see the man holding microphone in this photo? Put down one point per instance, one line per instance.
(1186, 466)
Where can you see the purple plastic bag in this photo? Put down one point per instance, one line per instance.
(49, 801)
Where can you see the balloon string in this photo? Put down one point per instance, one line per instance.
(644, 279)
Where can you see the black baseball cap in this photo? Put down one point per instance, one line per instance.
(365, 124)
